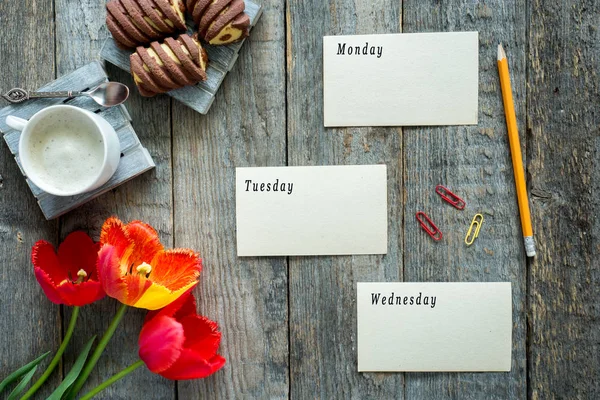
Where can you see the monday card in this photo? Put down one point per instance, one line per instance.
(434, 326)
(401, 79)
(296, 211)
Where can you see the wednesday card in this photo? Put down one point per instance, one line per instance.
(295, 211)
(401, 79)
(434, 326)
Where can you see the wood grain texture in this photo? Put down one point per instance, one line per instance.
(246, 297)
(474, 162)
(80, 31)
(269, 112)
(31, 324)
(323, 360)
(563, 154)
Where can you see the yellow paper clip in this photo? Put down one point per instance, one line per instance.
(477, 221)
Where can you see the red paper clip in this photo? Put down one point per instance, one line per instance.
(450, 197)
(435, 234)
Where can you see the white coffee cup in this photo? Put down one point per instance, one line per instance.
(66, 150)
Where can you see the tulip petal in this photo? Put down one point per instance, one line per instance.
(190, 365)
(110, 273)
(146, 240)
(161, 341)
(184, 305)
(80, 294)
(176, 268)
(114, 234)
(188, 307)
(136, 285)
(201, 335)
(44, 257)
(78, 251)
(48, 286)
(158, 296)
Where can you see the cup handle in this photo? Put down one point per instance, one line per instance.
(16, 122)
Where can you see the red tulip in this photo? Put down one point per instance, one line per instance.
(177, 343)
(70, 277)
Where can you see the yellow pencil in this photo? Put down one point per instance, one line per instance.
(515, 150)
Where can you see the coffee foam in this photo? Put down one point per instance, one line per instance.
(66, 151)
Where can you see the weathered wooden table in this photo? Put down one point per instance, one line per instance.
(289, 324)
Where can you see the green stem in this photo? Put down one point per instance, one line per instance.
(56, 358)
(112, 380)
(91, 363)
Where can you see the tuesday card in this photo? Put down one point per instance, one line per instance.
(401, 79)
(294, 211)
(434, 326)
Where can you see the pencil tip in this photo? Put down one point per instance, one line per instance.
(501, 53)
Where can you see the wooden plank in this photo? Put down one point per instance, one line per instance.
(247, 297)
(201, 96)
(31, 324)
(474, 162)
(323, 290)
(563, 155)
(80, 31)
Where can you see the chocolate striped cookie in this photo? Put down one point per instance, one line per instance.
(175, 63)
(219, 21)
(136, 22)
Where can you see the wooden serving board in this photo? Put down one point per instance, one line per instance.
(220, 60)
(135, 159)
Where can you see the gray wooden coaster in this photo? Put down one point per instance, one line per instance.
(221, 58)
(135, 159)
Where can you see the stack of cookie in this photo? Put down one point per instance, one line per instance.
(136, 22)
(168, 63)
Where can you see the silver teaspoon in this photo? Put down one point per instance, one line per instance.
(107, 94)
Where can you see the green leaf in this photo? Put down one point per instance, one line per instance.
(21, 371)
(73, 373)
(19, 388)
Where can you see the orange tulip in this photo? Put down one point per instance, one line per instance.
(135, 269)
